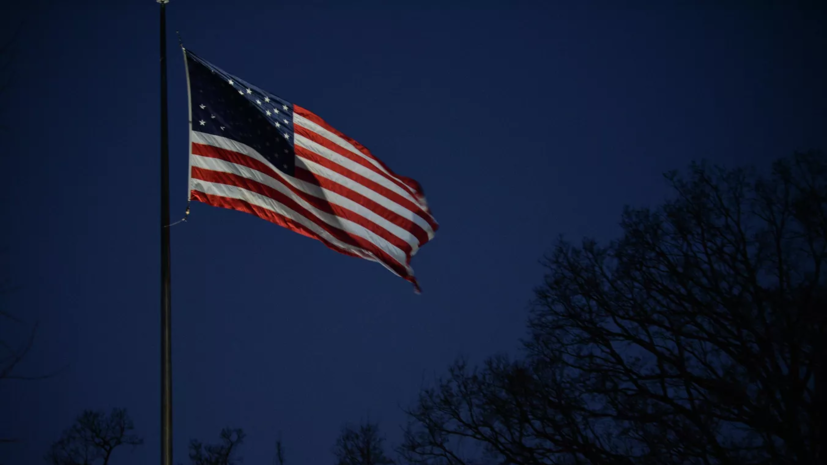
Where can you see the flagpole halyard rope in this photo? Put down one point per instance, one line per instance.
(182, 220)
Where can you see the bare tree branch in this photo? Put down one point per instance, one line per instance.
(222, 453)
(361, 445)
(695, 338)
(93, 438)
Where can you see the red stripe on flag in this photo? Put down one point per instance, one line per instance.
(414, 187)
(321, 140)
(273, 217)
(372, 185)
(265, 214)
(420, 234)
(232, 157)
(315, 202)
(303, 175)
(267, 191)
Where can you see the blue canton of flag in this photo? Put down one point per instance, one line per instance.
(239, 111)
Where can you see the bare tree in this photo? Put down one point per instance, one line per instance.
(698, 337)
(93, 438)
(361, 445)
(222, 453)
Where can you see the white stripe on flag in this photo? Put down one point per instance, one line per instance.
(327, 173)
(232, 192)
(349, 227)
(316, 169)
(345, 162)
(299, 120)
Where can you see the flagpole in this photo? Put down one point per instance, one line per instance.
(166, 281)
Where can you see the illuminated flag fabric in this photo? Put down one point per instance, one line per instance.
(255, 152)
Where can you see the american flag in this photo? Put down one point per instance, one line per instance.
(255, 152)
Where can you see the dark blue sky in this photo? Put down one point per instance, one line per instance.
(522, 123)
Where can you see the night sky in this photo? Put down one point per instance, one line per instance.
(521, 123)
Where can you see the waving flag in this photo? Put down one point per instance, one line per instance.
(255, 152)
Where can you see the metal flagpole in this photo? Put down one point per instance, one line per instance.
(166, 282)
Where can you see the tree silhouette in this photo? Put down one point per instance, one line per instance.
(696, 338)
(222, 453)
(93, 438)
(360, 445)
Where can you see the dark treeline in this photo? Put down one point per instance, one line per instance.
(696, 337)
